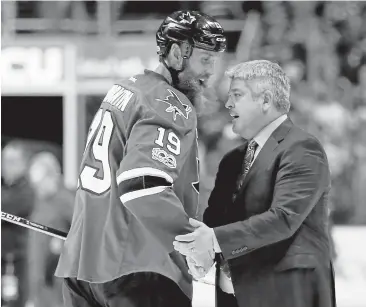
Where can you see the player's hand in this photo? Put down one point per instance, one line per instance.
(195, 270)
(200, 264)
(204, 259)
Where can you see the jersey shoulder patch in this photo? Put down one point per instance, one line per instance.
(174, 103)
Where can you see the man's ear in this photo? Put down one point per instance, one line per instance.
(174, 57)
(267, 100)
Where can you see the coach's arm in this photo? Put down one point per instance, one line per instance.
(302, 179)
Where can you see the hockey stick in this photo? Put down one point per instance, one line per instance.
(49, 231)
(32, 225)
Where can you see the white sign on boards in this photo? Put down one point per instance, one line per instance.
(41, 66)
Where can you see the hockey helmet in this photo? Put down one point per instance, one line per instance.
(193, 28)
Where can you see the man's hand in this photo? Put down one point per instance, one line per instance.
(198, 247)
(196, 271)
(199, 242)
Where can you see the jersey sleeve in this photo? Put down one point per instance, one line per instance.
(157, 149)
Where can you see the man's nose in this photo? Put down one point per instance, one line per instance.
(229, 104)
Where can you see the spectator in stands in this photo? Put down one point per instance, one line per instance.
(16, 198)
(53, 207)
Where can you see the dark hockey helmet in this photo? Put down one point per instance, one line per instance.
(197, 29)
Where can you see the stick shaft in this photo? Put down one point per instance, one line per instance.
(32, 225)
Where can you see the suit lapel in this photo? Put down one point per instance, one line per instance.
(267, 153)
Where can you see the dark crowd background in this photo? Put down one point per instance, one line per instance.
(320, 45)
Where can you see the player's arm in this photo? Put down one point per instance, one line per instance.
(157, 148)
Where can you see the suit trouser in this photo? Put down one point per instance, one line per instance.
(290, 288)
(225, 299)
(133, 290)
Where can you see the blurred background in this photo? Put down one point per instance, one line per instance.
(59, 58)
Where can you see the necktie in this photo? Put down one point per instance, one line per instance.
(248, 159)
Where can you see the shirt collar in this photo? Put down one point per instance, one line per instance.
(263, 135)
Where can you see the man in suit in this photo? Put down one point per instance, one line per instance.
(267, 216)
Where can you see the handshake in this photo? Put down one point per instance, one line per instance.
(198, 247)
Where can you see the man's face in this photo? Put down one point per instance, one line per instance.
(200, 67)
(44, 177)
(13, 164)
(244, 108)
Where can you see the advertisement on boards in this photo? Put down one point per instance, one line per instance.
(123, 57)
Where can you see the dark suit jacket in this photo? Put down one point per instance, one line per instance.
(279, 220)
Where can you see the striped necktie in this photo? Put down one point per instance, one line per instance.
(248, 159)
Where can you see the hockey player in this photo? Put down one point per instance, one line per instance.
(138, 180)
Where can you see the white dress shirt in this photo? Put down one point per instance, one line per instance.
(261, 138)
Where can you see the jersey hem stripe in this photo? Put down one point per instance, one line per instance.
(143, 171)
(141, 193)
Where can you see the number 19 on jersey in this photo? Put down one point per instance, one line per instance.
(102, 126)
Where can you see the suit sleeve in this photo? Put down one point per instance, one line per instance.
(303, 177)
(215, 210)
(157, 149)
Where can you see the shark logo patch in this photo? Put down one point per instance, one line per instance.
(175, 106)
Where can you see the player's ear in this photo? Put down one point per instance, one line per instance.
(175, 57)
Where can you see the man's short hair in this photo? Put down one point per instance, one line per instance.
(268, 75)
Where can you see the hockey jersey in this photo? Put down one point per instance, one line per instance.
(137, 186)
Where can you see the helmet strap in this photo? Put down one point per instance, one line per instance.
(173, 73)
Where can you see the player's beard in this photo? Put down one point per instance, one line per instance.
(189, 85)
